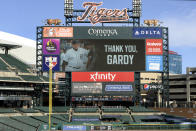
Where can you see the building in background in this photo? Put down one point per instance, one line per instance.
(182, 87)
(175, 63)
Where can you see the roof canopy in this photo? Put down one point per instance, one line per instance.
(8, 45)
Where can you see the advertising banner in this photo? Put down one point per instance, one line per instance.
(120, 98)
(118, 88)
(74, 128)
(154, 46)
(147, 32)
(103, 55)
(154, 63)
(86, 88)
(51, 46)
(102, 76)
(91, 32)
(58, 32)
(46, 61)
(152, 87)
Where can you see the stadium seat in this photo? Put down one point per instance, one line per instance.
(3, 66)
(85, 110)
(16, 124)
(14, 62)
(114, 109)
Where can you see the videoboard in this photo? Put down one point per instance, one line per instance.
(97, 48)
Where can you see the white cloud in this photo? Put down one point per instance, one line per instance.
(182, 28)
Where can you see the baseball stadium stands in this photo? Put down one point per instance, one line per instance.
(10, 78)
(15, 63)
(3, 66)
(114, 109)
(141, 109)
(7, 110)
(32, 119)
(30, 78)
(85, 109)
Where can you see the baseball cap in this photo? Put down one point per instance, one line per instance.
(76, 42)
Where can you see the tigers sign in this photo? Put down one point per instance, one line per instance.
(101, 15)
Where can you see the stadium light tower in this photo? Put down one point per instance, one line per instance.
(68, 8)
(68, 11)
(137, 8)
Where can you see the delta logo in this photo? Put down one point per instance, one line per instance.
(147, 32)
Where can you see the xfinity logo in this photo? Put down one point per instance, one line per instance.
(102, 76)
(102, 32)
(146, 32)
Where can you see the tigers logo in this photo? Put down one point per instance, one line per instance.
(51, 62)
(102, 15)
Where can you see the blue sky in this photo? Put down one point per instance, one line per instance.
(21, 17)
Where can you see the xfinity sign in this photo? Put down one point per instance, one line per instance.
(147, 32)
(102, 76)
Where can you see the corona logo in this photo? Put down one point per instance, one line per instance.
(102, 15)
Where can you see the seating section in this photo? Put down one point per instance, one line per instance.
(114, 109)
(61, 109)
(62, 117)
(86, 109)
(44, 119)
(30, 78)
(42, 109)
(3, 66)
(28, 121)
(54, 109)
(4, 127)
(85, 118)
(10, 78)
(141, 109)
(7, 110)
(22, 67)
(29, 110)
(17, 125)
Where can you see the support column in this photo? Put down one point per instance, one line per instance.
(188, 88)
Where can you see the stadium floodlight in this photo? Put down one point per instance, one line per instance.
(68, 8)
(137, 8)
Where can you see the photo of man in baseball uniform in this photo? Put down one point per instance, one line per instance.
(76, 58)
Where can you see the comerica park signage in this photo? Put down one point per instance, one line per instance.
(96, 15)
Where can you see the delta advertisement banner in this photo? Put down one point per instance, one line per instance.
(51, 46)
(92, 32)
(102, 76)
(147, 32)
(103, 55)
(58, 32)
(154, 47)
(154, 63)
(46, 62)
